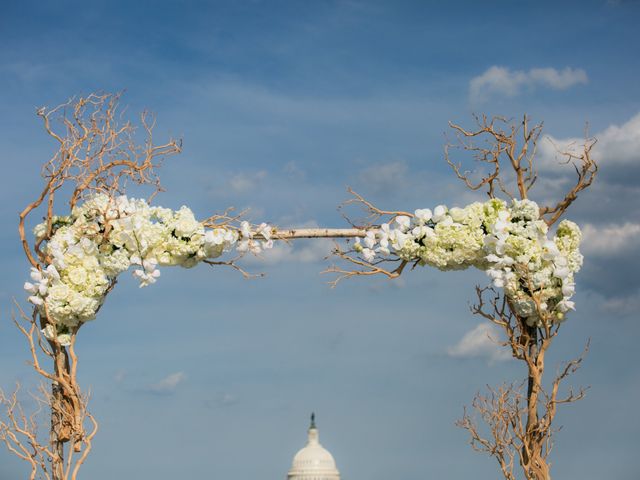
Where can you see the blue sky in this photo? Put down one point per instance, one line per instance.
(281, 105)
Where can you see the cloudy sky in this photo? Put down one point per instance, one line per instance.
(281, 105)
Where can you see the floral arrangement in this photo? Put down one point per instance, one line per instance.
(104, 237)
(510, 243)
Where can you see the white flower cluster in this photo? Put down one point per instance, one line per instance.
(103, 237)
(509, 242)
(249, 244)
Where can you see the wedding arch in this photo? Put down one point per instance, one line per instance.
(92, 232)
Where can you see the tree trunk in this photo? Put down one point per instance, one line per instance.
(534, 464)
(61, 414)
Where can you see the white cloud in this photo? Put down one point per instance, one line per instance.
(628, 305)
(558, 80)
(245, 181)
(480, 342)
(611, 239)
(503, 81)
(294, 252)
(168, 384)
(616, 145)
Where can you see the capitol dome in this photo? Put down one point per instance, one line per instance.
(313, 462)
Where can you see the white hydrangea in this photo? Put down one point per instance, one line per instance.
(104, 237)
(510, 243)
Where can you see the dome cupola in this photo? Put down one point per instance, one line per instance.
(313, 462)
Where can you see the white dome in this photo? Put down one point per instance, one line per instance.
(313, 462)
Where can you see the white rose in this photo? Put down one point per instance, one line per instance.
(457, 214)
(77, 276)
